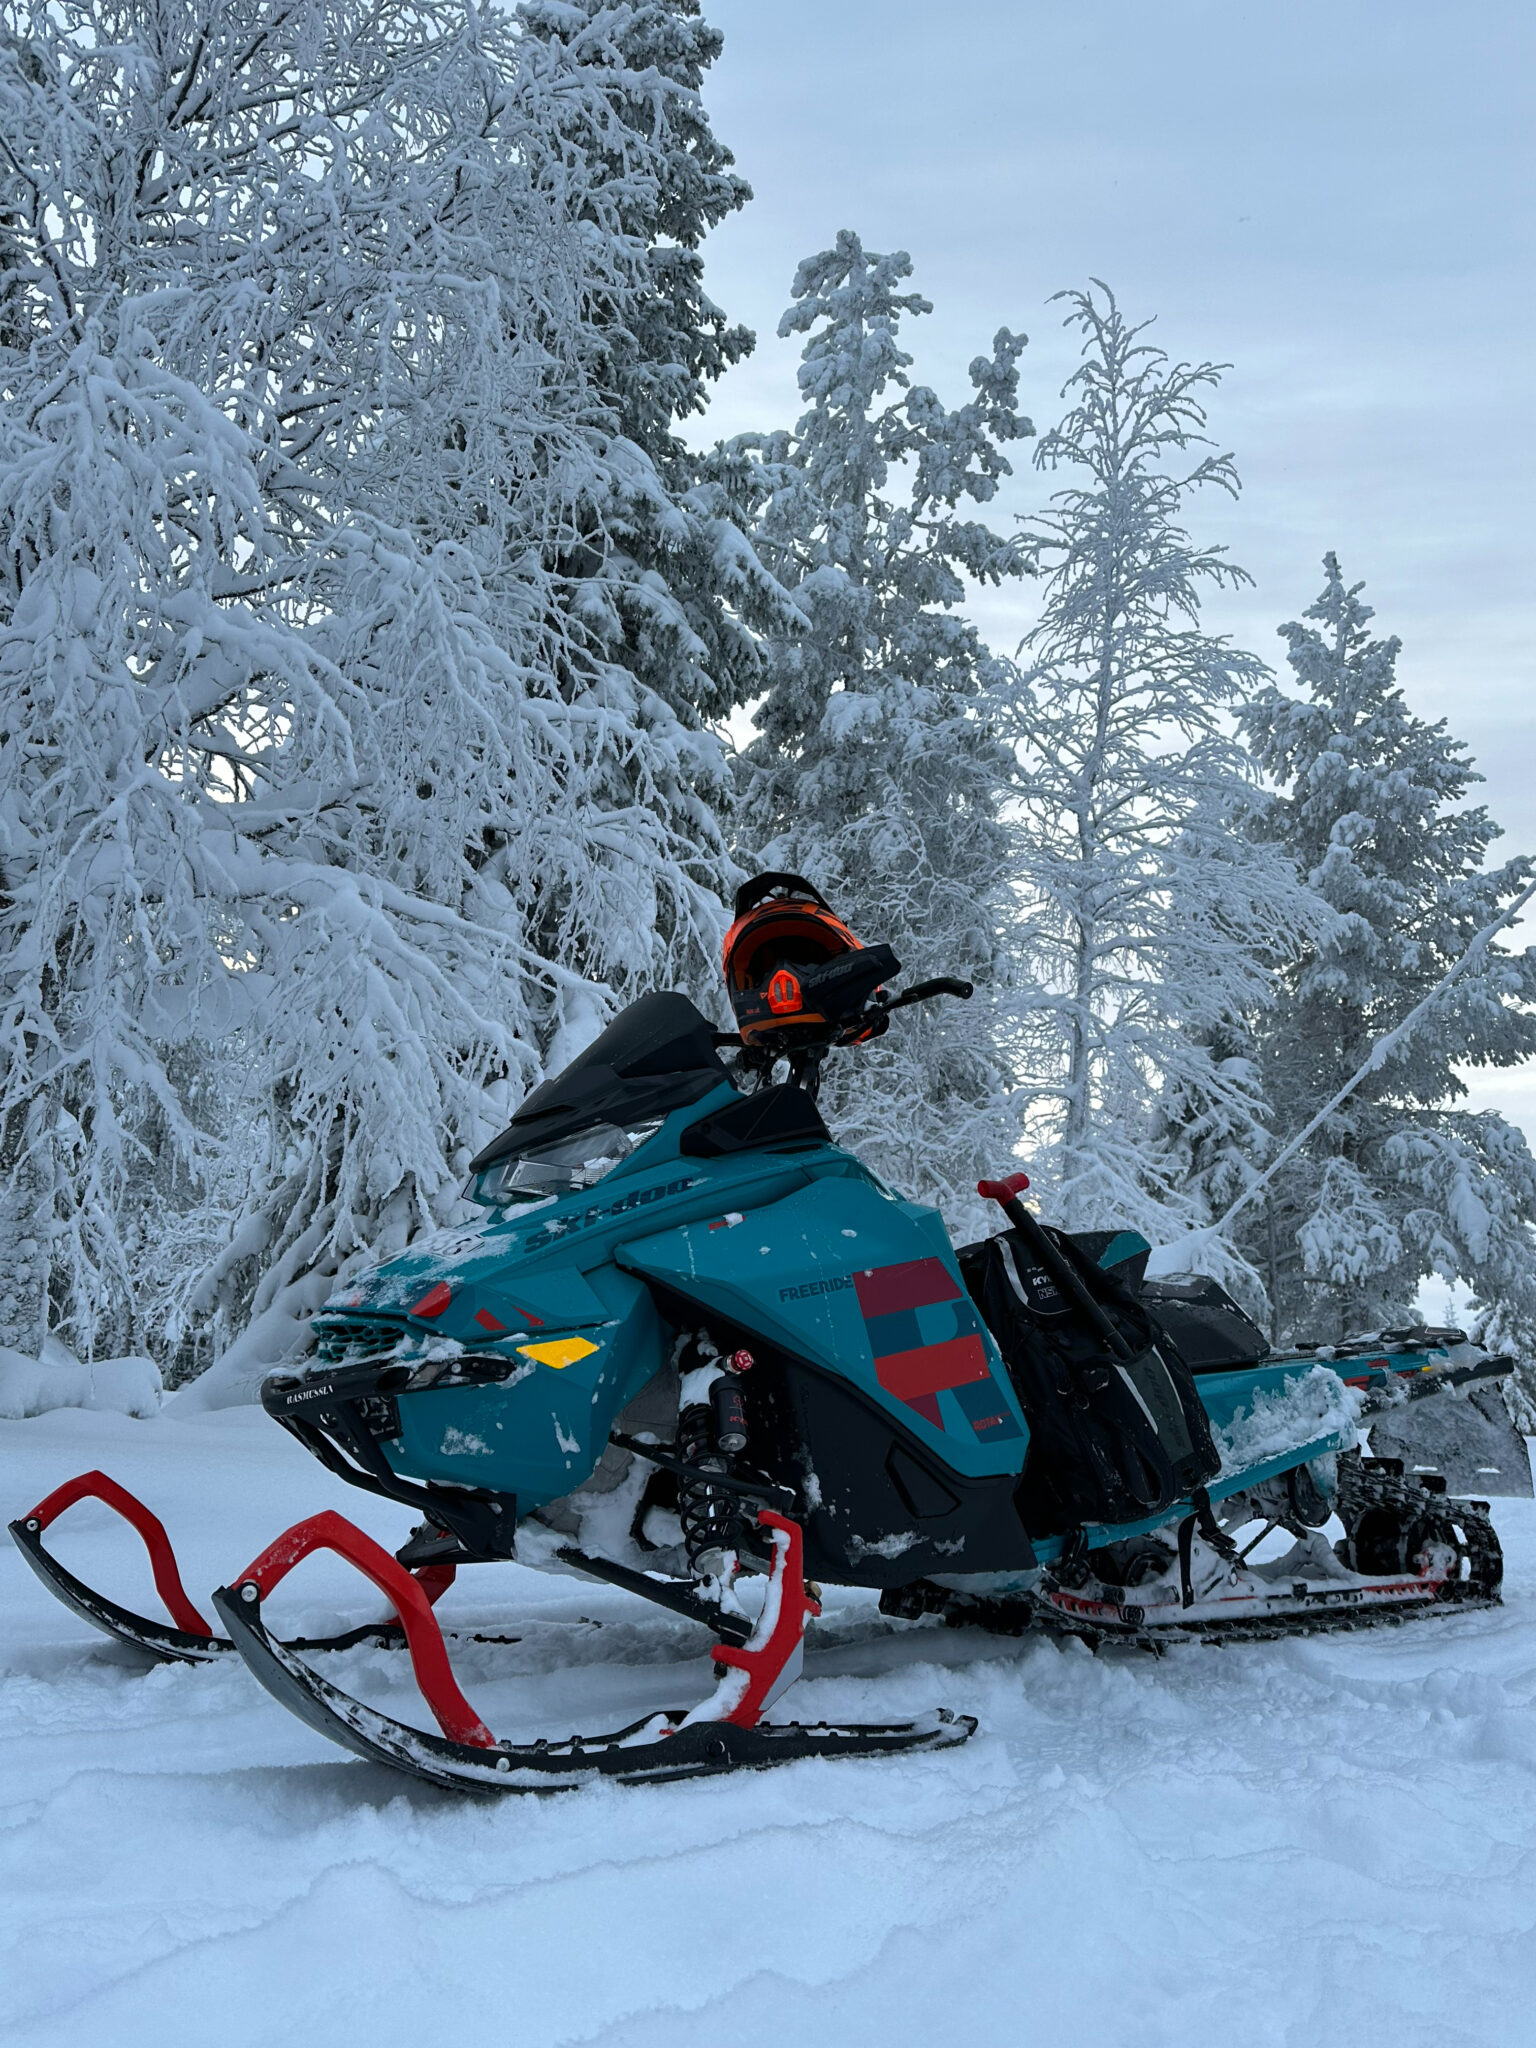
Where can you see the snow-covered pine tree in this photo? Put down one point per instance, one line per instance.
(1148, 915)
(1400, 1182)
(877, 772)
(314, 756)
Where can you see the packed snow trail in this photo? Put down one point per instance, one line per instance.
(1330, 1839)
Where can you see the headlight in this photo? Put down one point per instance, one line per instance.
(558, 1169)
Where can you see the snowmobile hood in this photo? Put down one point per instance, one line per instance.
(444, 1269)
(522, 1266)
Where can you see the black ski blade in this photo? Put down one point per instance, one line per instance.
(647, 1751)
(159, 1639)
(167, 1644)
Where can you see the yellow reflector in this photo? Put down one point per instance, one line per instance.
(558, 1352)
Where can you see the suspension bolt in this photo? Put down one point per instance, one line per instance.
(250, 1590)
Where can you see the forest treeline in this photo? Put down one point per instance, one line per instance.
(372, 640)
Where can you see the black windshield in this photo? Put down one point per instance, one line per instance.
(656, 1056)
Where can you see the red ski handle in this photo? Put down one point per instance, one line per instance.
(411, 1600)
(1006, 1194)
(162, 1559)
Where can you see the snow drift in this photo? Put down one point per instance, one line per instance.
(36, 1386)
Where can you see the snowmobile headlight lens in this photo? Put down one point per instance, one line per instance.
(558, 1169)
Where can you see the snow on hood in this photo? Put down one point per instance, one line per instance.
(401, 1276)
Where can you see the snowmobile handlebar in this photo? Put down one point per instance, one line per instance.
(924, 991)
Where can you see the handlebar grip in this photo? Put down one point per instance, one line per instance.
(942, 985)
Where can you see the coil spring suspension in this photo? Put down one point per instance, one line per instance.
(711, 1433)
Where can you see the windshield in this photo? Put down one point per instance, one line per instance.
(580, 1161)
(656, 1056)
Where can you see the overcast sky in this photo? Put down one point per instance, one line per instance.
(1334, 198)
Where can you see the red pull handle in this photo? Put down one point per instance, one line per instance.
(162, 1559)
(1002, 1190)
(412, 1600)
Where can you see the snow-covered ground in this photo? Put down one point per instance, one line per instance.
(1325, 1841)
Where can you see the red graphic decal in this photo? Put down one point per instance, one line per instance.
(917, 1284)
(909, 1375)
(927, 1405)
(489, 1322)
(434, 1301)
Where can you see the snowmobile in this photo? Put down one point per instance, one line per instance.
(696, 1350)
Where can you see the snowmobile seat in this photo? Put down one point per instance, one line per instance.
(1204, 1324)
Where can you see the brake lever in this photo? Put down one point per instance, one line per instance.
(941, 985)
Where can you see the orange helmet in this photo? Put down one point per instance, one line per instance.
(783, 926)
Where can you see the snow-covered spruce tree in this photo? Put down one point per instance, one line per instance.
(660, 580)
(1148, 915)
(1400, 1182)
(304, 751)
(877, 772)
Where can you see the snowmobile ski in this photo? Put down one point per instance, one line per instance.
(725, 1732)
(187, 1638)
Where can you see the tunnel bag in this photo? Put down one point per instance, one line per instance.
(1111, 1440)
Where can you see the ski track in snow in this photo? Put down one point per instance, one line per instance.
(1326, 1841)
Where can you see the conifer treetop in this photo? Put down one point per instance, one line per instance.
(1397, 1181)
(877, 770)
(1150, 914)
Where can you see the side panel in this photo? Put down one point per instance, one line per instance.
(881, 1508)
(866, 1287)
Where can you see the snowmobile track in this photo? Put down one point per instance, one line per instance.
(1388, 1518)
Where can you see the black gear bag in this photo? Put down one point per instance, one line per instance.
(1117, 1428)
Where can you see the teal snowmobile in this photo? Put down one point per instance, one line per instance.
(695, 1349)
